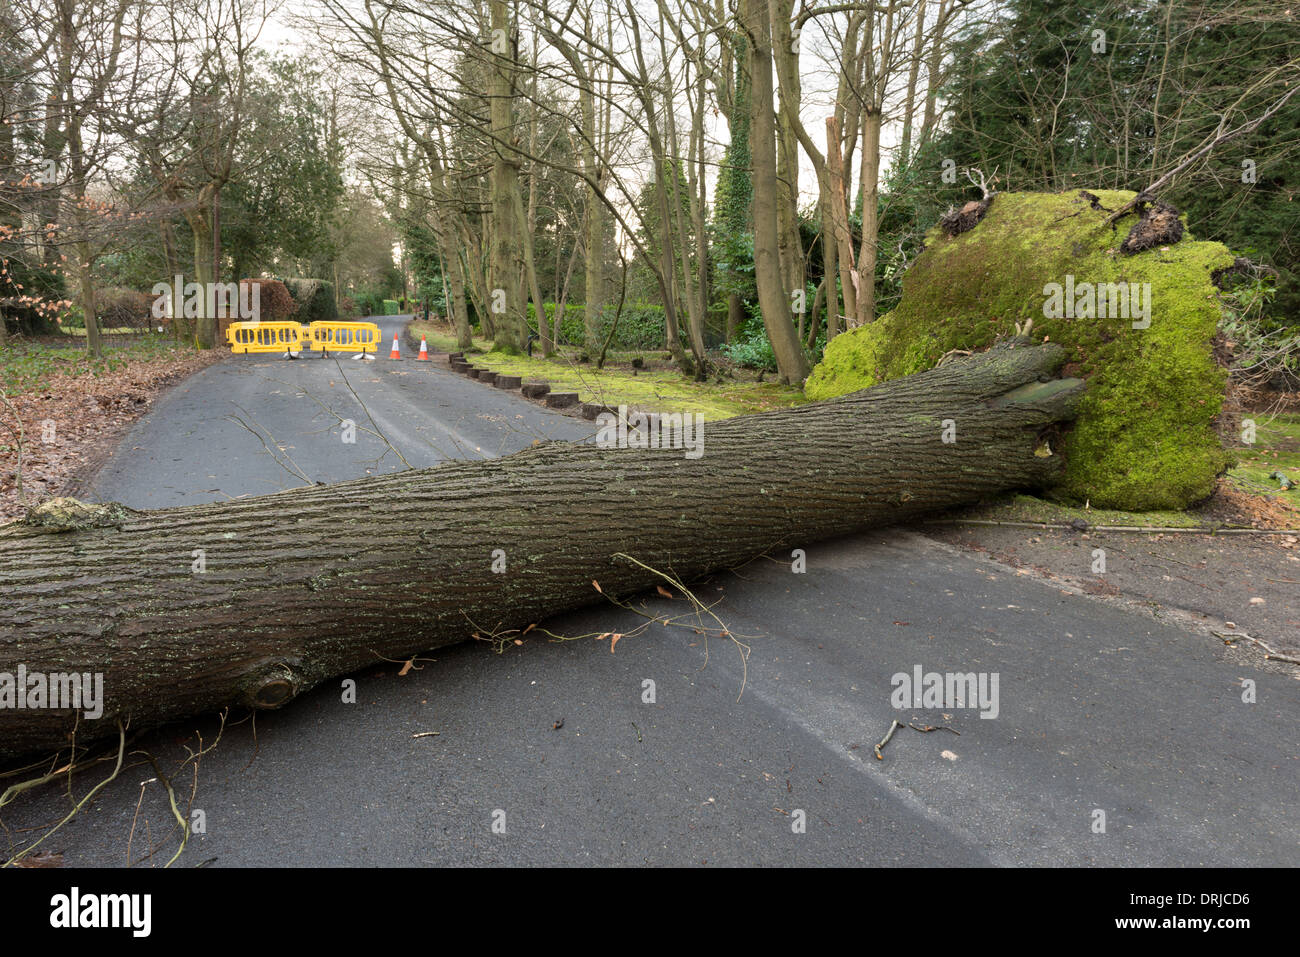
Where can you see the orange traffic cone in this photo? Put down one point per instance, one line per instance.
(396, 353)
(424, 352)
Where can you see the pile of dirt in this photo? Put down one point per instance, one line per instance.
(1232, 506)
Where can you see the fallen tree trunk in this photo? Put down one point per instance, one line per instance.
(313, 583)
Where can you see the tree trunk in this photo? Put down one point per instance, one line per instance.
(530, 221)
(200, 220)
(313, 583)
(773, 299)
(830, 265)
(735, 314)
(86, 297)
(507, 262)
(594, 241)
(790, 95)
(871, 126)
(840, 221)
(913, 76)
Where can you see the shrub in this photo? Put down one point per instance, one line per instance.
(369, 302)
(315, 299)
(751, 347)
(391, 307)
(273, 299)
(124, 308)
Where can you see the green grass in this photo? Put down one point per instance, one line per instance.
(441, 340)
(652, 390)
(28, 366)
(1276, 449)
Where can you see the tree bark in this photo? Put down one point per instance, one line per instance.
(507, 264)
(792, 365)
(309, 584)
(871, 127)
(594, 303)
(840, 221)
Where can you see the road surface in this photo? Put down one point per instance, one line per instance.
(1118, 739)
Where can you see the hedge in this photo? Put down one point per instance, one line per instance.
(315, 299)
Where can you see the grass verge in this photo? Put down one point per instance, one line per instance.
(650, 388)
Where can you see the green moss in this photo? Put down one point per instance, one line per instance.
(1145, 438)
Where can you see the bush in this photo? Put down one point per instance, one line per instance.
(124, 308)
(347, 308)
(315, 299)
(391, 307)
(641, 326)
(274, 304)
(369, 302)
(751, 347)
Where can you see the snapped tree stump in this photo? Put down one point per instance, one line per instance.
(317, 582)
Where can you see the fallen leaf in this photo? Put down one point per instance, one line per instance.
(613, 641)
(406, 667)
(948, 755)
(663, 591)
(41, 859)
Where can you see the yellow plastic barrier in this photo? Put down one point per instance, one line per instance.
(265, 337)
(344, 336)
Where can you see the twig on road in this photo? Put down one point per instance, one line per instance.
(894, 726)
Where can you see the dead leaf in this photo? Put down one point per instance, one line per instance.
(41, 859)
(406, 667)
(613, 641)
(663, 591)
(596, 585)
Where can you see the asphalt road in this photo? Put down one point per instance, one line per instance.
(1098, 709)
